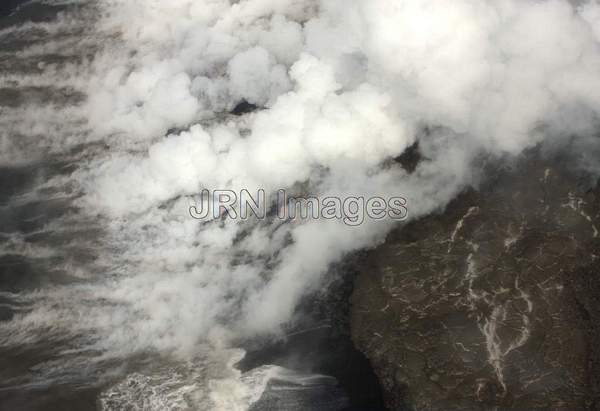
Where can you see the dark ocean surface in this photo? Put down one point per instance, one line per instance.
(46, 242)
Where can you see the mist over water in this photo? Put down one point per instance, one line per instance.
(114, 114)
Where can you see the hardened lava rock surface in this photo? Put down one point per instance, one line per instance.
(493, 303)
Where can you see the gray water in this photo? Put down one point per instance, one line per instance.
(55, 255)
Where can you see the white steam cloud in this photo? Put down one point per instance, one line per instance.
(343, 86)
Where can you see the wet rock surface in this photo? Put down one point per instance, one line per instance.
(320, 343)
(493, 303)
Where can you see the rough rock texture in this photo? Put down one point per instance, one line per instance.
(492, 304)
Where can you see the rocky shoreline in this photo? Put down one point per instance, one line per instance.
(492, 303)
(321, 343)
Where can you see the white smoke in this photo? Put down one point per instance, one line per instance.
(343, 86)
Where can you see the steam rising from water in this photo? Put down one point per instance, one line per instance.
(343, 86)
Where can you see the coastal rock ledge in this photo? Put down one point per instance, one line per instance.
(493, 303)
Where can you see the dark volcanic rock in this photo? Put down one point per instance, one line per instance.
(493, 304)
(410, 158)
(321, 344)
(243, 107)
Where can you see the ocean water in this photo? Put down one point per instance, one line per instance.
(67, 272)
(115, 114)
